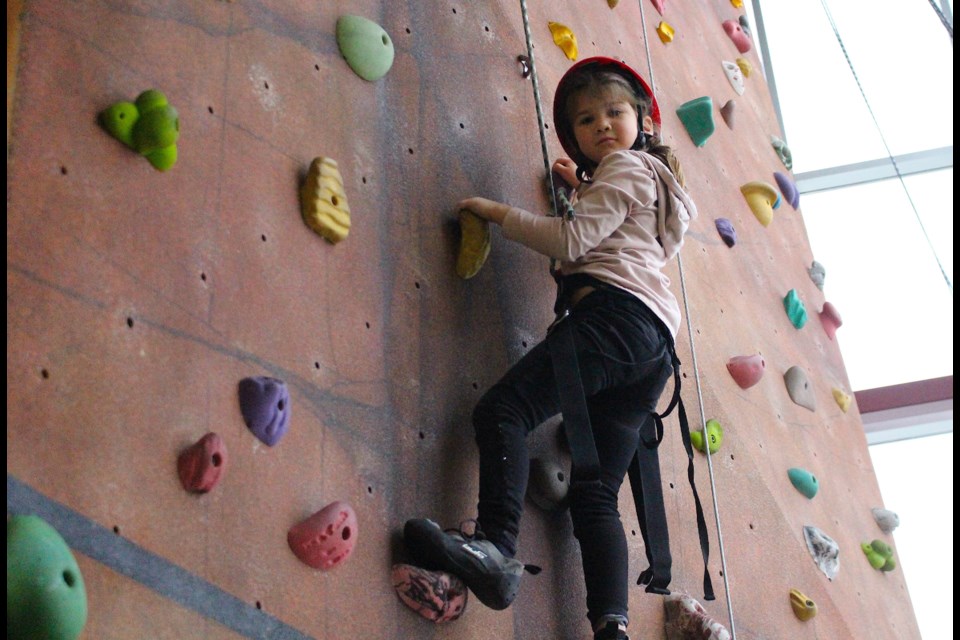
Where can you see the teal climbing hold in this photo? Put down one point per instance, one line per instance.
(365, 46)
(803, 481)
(697, 116)
(795, 309)
(46, 597)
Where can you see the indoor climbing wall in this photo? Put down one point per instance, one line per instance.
(162, 285)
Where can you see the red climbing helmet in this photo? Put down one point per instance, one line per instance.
(565, 129)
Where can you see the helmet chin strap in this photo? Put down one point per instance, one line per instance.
(642, 139)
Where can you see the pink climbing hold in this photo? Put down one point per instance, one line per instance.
(325, 539)
(746, 370)
(201, 465)
(438, 596)
(830, 318)
(738, 35)
(658, 5)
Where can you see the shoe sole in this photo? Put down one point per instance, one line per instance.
(435, 550)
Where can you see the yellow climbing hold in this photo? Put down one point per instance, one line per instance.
(474, 244)
(613, 3)
(665, 32)
(843, 399)
(564, 38)
(745, 66)
(737, 3)
(760, 196)
(323, 202)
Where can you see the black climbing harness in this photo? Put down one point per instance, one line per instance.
(644, 470)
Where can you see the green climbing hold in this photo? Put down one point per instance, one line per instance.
(803, 481)
(149, 126)
(714, 435)
(118, 119)
(697, 117)
(46, 597)
(795, 309)
(879, 555)
(365, 46)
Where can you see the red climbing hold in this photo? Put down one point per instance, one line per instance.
(325, 539)
(746, 370)
(202, 464)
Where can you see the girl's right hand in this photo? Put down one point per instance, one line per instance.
(567, 169)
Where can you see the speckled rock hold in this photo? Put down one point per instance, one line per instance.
(327, 538)
(265, 405)
(825, 551)
(686, 619)
(201, 466)
(436, 595)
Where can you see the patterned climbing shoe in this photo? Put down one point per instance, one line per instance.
(493, 578)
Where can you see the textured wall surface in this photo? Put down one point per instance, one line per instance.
(137, 300)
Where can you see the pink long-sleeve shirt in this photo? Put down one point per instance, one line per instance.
(633, 200)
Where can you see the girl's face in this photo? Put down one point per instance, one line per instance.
(605, 122)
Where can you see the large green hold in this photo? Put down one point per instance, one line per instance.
(46, 598)
(365, 45)
(697, 117)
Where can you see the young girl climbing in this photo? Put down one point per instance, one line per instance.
(611, 346)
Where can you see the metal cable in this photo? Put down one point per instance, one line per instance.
(893, 160)
(696, 372)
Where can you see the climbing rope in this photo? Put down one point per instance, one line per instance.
(893, 160)
(943, 19)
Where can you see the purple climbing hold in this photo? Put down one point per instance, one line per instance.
(726, 231)
(265, 405)
(788, 188)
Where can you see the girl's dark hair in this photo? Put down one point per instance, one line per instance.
(588, 79)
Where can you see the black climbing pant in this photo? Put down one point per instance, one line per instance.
(625, 363)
